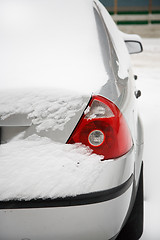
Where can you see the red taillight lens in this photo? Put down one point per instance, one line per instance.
(103, 128)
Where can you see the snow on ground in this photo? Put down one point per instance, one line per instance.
(147, 67)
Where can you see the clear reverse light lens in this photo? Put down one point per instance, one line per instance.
(96, 138)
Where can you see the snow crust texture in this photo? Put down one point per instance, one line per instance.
(48, 109)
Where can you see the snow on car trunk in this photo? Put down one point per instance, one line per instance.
(37, 167)
(33, 166)
(48, 109)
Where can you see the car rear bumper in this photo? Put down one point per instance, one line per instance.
(97, 215)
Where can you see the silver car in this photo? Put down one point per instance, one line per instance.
(71, 137)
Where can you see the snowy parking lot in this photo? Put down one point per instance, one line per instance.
(147, 67)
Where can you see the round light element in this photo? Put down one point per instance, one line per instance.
(96, 138)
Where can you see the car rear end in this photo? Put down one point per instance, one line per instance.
(98, 213)
(102, 122)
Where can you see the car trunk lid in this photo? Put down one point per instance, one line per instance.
(49, 113)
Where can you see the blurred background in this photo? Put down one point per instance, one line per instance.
(140, 16)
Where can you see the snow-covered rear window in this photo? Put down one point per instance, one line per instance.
(50, 43)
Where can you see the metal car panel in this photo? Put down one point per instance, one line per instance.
(93, 221)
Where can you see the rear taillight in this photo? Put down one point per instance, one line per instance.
(103, 128)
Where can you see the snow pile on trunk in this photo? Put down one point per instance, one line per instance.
(47, 109)
(37, 167)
